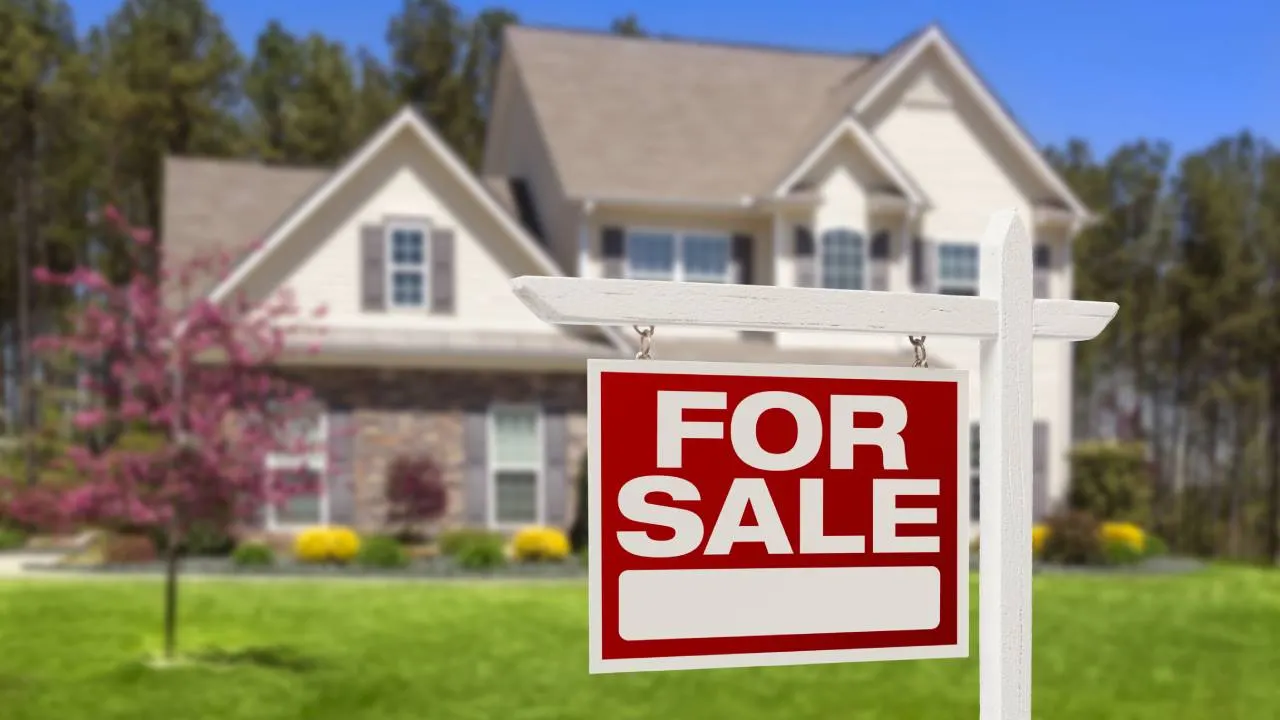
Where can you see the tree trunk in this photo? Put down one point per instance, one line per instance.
(23, 366)
(1271, 546)
(1235, 475)
(171, 560)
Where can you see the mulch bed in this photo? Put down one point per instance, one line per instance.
(433, 568)
(1166, 565)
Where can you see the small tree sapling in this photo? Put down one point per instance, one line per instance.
(199, 378)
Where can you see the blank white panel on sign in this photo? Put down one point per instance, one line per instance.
(681, 604)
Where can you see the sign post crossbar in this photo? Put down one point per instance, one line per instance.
(1004, 317)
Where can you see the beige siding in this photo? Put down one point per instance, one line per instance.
(936, 131)
(754, 223)
(320, 261)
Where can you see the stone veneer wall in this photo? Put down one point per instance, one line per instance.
(401, 411)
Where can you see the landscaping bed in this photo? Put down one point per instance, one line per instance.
(442, 567)
(1162, 565)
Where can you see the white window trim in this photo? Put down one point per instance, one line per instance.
(678, 237)
(317, 461)
(492, 467)
(389, 231)
(864, 283)
(942, 283)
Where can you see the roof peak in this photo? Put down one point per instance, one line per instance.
(668, 39)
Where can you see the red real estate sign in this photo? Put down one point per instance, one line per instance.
(749, 515)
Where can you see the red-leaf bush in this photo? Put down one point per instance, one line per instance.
(415, 494)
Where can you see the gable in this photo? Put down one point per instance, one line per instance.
(322, 250)
(961, 159)
(932, 75)
(322, 261)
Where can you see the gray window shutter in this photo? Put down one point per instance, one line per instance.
(556, 466)
(475, 478)
(805, 258)
(613, 250)
(442, 271)
(341, 477)
(373, 269)
(878, 270)
(1039, 469)
(743, 265)
(1042, 261)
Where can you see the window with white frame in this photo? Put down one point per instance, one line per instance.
(843, 260)
(515, 465)
(679, 256)
(407, 265)
(958, 268)
(301, 459)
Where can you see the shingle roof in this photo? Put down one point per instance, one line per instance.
(655, 118)
(215, 204)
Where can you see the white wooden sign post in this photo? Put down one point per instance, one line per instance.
(1004, 317)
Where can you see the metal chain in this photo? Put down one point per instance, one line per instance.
(922, 357)
(646, 342)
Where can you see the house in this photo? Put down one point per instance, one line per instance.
(620, 157)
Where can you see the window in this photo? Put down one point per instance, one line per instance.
(975, 483)
(684, 257)
(843, 260)
(407, 266)
(515, 466)
(958, 269)
(303, 458)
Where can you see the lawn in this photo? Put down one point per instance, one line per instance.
(1166, 648)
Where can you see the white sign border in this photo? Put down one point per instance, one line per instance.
(597, 664)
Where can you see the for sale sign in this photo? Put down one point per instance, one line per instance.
(748, 515)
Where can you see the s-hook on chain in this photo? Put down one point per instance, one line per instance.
(917, 345)
(646, 342)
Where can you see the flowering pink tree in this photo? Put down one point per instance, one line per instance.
(197, 379)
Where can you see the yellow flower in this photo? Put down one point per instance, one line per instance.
(326, 544)
(344, 544)
(540, 543)
(1039, 533)
(1123, 533)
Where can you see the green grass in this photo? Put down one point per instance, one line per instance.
(1132, 648)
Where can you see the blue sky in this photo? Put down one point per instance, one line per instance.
(1187, 71)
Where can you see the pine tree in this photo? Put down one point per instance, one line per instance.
(177, 76)
(271, 84)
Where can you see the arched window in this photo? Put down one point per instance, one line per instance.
(843, 260)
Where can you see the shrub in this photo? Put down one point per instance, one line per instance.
(11, 539)
(482, 552)
(1072, 538)
(1039, 533)
(205, 539)
(1111, 481)
(382, 552)
(415, 493)
(538, 544)
(253, 554)
(1121, 533)
(326, 545)
(31, 509)
(453, 542)
(1156, 547)
(128, 548)
(1122, 543)
(578, 530)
